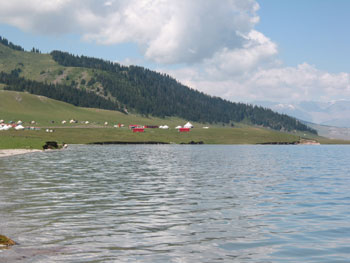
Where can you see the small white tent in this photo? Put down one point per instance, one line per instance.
(178, 127)
(188, 125)
(19, 127)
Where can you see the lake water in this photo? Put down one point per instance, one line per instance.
(177, 203)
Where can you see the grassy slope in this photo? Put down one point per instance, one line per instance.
(26, 107)
(41, 67)
(32, 64)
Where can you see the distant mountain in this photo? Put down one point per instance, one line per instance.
(331, 132)
(92, 82)
(333, 113)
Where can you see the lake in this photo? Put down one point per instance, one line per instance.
(177, 203)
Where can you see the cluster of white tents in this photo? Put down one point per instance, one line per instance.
(165, 127)
(71, 121)
(18, 125)
(5, 127)
(187, 125)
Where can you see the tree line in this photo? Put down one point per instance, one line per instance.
(152, 93)
(9, 44)
(69, 60)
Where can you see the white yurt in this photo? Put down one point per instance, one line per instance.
(6, 127)
(19, 127)
(188, 125)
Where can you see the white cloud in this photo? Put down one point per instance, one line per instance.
(167, 31)
(257, 51)
(217, 42)
(278, 83)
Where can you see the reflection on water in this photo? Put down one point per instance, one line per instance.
(173, 203)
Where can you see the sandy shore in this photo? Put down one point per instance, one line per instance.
(10, 152)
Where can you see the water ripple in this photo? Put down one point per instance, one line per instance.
(172, 203)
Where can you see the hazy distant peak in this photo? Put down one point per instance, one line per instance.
(334, 112)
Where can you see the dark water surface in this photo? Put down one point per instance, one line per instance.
(177, 203)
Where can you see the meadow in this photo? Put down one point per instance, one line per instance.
(49, 114)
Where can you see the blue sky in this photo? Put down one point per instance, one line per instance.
(313, 31)
(71, 43)
(241, 50)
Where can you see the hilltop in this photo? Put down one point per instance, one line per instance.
(91, 82)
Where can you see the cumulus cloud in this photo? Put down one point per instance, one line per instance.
(278, 83)
(223, 53)
(44, 17)
(167, 31)
(257, 51)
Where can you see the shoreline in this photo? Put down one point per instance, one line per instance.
(13, 152)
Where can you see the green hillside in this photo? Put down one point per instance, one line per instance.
(39, 67)
(132, 89)
(143, 93)
(48, 113)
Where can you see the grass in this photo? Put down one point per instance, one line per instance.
(40, 67)
(32, 64)
(13, 141)
(48, 113)
(247, 135)
(91, 135)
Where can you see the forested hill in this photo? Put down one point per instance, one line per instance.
(92, 82)
(152, 93)
(9, 44)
